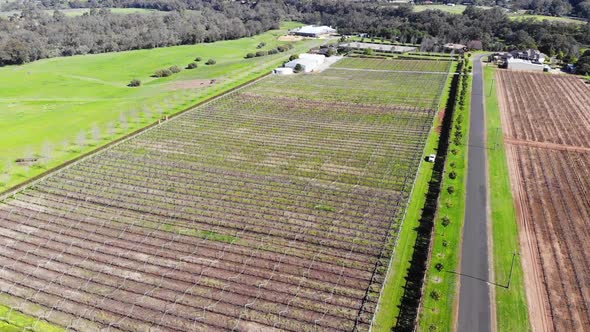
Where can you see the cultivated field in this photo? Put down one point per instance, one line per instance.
(257, 210)
(395, 65)
(546, 122)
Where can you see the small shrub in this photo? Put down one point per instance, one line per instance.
(298, 68)
(432, 328)
(261, 45)
(261, 53)
(451, 189)
(250, 55)
(192, 65)
(273, 51)
(174, 69)
(162, 73)
(368, 51)
(211, 62)
(435, 295)
(445, 243)
(134, 83)
(283, 48)
(198, 59)
(453, 175)
(454, 151)
(453, 164)
(293, 57)
(445, 221)
(439, 267)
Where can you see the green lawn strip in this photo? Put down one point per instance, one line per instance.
(457, 9)
(55, 100)
(511, 305)
(438, 308)
(393, 290)
(12, 320)
(522, 16)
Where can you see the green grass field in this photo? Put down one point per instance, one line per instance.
(523, 16)
(458, 9)
(50, 107)
(511, 305)
(440, 312)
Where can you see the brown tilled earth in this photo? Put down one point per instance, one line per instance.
(546, 123)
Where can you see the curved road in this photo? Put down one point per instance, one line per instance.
(474, 296)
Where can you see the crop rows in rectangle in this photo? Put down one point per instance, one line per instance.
(253, 211)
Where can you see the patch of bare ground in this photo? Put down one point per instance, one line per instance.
(192, 84)
(290, 38)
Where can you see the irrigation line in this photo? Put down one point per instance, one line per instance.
(387, 275)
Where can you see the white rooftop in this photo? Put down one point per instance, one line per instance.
(316, 30)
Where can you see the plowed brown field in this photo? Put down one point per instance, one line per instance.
(546, 120)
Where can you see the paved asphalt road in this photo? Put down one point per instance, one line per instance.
(474, 298)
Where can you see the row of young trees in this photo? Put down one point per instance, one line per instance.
(43, 156)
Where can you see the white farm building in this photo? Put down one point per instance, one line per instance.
(283, 71)
(520, 64)
(313, 31)
(309, 62)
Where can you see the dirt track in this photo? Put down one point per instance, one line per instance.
(547, 134)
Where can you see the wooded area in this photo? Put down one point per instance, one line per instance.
(33, 34)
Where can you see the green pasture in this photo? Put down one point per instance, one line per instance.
(521, 15)
(457, 9)
(59, 108)
(511, 304)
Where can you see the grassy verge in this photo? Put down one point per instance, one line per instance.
(511, 305)
(14, 321)
(438, 308)
(393, 290)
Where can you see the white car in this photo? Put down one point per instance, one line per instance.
(431, 158)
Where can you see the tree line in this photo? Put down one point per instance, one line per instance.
(492, 27)
(33, 34)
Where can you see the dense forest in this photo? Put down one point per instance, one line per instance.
(35, 33)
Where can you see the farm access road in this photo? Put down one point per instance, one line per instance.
(474, 295)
